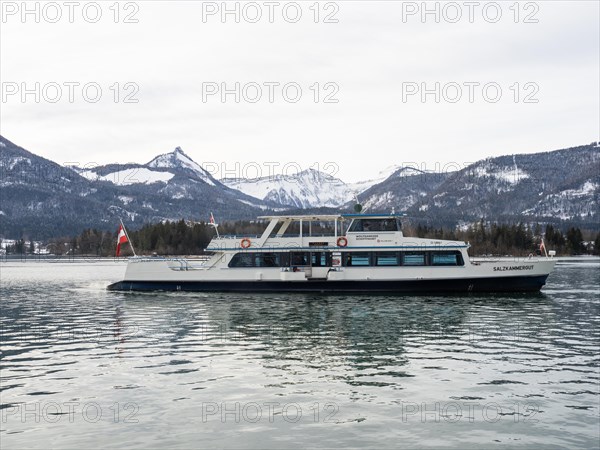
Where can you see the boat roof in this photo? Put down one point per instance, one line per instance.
(324, 217)
(312, 217)
(372, 216)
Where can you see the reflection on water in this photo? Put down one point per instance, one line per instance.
(81, 365)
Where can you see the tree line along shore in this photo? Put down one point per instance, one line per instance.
(191, 238)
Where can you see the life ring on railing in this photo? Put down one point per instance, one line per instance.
(246, 243)
(342, 241)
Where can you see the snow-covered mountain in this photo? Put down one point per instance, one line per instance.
(307, 189)
(549, 186)
(362, 186)
(160, 169)
(580, 201)
(126, 176)
(395, 187)
(174, 175)
(401, 190)
(43, 199)
(178, 160)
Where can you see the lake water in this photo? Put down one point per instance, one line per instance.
(83, 367)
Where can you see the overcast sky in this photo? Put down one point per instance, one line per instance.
(371, 61)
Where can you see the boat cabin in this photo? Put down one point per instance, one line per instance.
(300, 231)
(362, 223)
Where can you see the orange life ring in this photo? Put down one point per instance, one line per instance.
(246, 243)
(342, 241)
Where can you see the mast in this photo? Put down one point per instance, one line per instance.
(127, 234)
(214, 224)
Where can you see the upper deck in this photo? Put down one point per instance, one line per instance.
(349, 231)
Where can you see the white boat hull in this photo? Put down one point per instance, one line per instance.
(182, 275)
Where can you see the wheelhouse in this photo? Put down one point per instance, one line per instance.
(364, 223)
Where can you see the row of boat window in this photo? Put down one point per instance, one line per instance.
(348, 259)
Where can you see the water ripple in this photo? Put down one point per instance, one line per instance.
(365, 370)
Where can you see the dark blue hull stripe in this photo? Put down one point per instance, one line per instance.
(492, 284)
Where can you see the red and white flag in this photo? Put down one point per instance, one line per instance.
(121, 239)
(212, 219)
(542, 247)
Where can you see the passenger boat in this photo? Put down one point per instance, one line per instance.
(362, 253)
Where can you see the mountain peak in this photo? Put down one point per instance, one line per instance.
(180, 151)
(175, 159)
(178, 159)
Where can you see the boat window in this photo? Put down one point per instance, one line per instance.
(357, 259)
(267, 260)
(257, 259)
(350, 259)
(284, 259)
(300, 259)
(369, 225)
(355, 226)
(413, 258)
(320, 259)
(446, 259)
(386, 258)
(242, 260)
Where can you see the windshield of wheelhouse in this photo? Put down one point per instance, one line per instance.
(371, 225)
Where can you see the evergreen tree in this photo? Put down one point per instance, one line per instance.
(574, 239)
(187, 238)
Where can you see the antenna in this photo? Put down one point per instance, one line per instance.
(357, 207)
